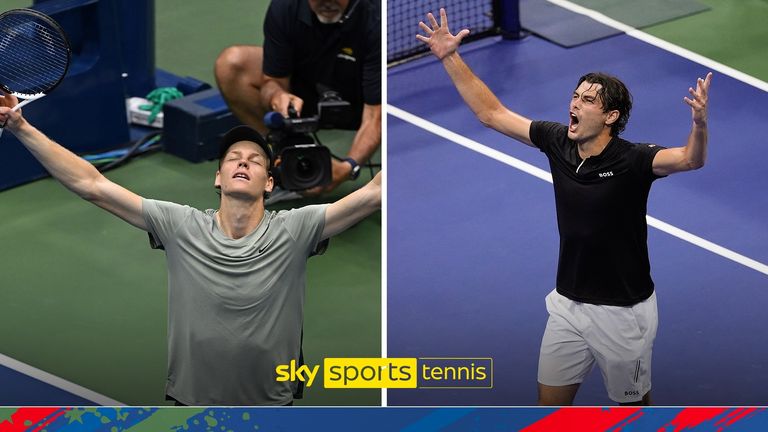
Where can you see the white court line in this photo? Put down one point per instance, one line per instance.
(659, 43)
(57, 381)
(546, 176)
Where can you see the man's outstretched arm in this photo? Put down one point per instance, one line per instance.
(353, 208)
(486, 106)
(76, 174)
(368, 137)
(694, 154)
(367, 141)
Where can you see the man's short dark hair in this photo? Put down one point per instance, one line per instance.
(614, 95)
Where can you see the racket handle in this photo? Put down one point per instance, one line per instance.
(22, 103)
(18, 107)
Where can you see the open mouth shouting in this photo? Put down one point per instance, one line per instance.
(574, 122)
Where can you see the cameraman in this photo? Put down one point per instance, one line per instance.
(312, 47)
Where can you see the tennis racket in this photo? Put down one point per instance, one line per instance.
(34, 55)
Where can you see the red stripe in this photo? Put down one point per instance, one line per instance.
(629, 420)
(738, 415)
(692, 417)
(582, 419)
(24, 418)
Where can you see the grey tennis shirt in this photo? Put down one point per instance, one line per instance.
(235, 307)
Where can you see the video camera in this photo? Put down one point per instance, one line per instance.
(301, 162)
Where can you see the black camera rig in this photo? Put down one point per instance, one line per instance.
(301, 162)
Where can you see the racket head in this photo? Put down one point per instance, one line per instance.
(34, 53)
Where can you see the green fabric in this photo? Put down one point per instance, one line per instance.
(158, 97)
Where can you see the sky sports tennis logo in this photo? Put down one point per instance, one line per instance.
(423, 372)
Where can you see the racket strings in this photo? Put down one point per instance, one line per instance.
(35, 55)
(51, 54)
(25, 76)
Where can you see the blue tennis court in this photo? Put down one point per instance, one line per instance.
(26, 385)
(472, 232)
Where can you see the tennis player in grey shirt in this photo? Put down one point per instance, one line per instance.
(235, 275)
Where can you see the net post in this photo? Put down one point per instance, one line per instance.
(507, 17)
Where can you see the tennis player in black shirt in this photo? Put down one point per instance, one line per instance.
(603, 309)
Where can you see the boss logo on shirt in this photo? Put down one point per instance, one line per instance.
(347, 54)
(606, 174)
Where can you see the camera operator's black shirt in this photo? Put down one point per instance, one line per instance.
(601, 207)
(344, 57)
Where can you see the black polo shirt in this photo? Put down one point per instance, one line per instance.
(344, 57)
(601, 206)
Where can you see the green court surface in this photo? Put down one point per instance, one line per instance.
(643, 13)
(82, 296)
(731, 32)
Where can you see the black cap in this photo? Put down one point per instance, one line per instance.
(243, 133)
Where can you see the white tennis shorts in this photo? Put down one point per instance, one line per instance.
(620, 339)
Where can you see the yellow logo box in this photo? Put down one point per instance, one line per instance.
(425, 372)
(370, 373)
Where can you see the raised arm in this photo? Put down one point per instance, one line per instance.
(353, 208)
(368, 137)
(76, 174)
(694, 154)
(367, 141)
(486, 106)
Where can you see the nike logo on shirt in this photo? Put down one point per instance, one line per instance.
(263, 248)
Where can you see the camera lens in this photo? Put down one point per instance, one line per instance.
(305, 168)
